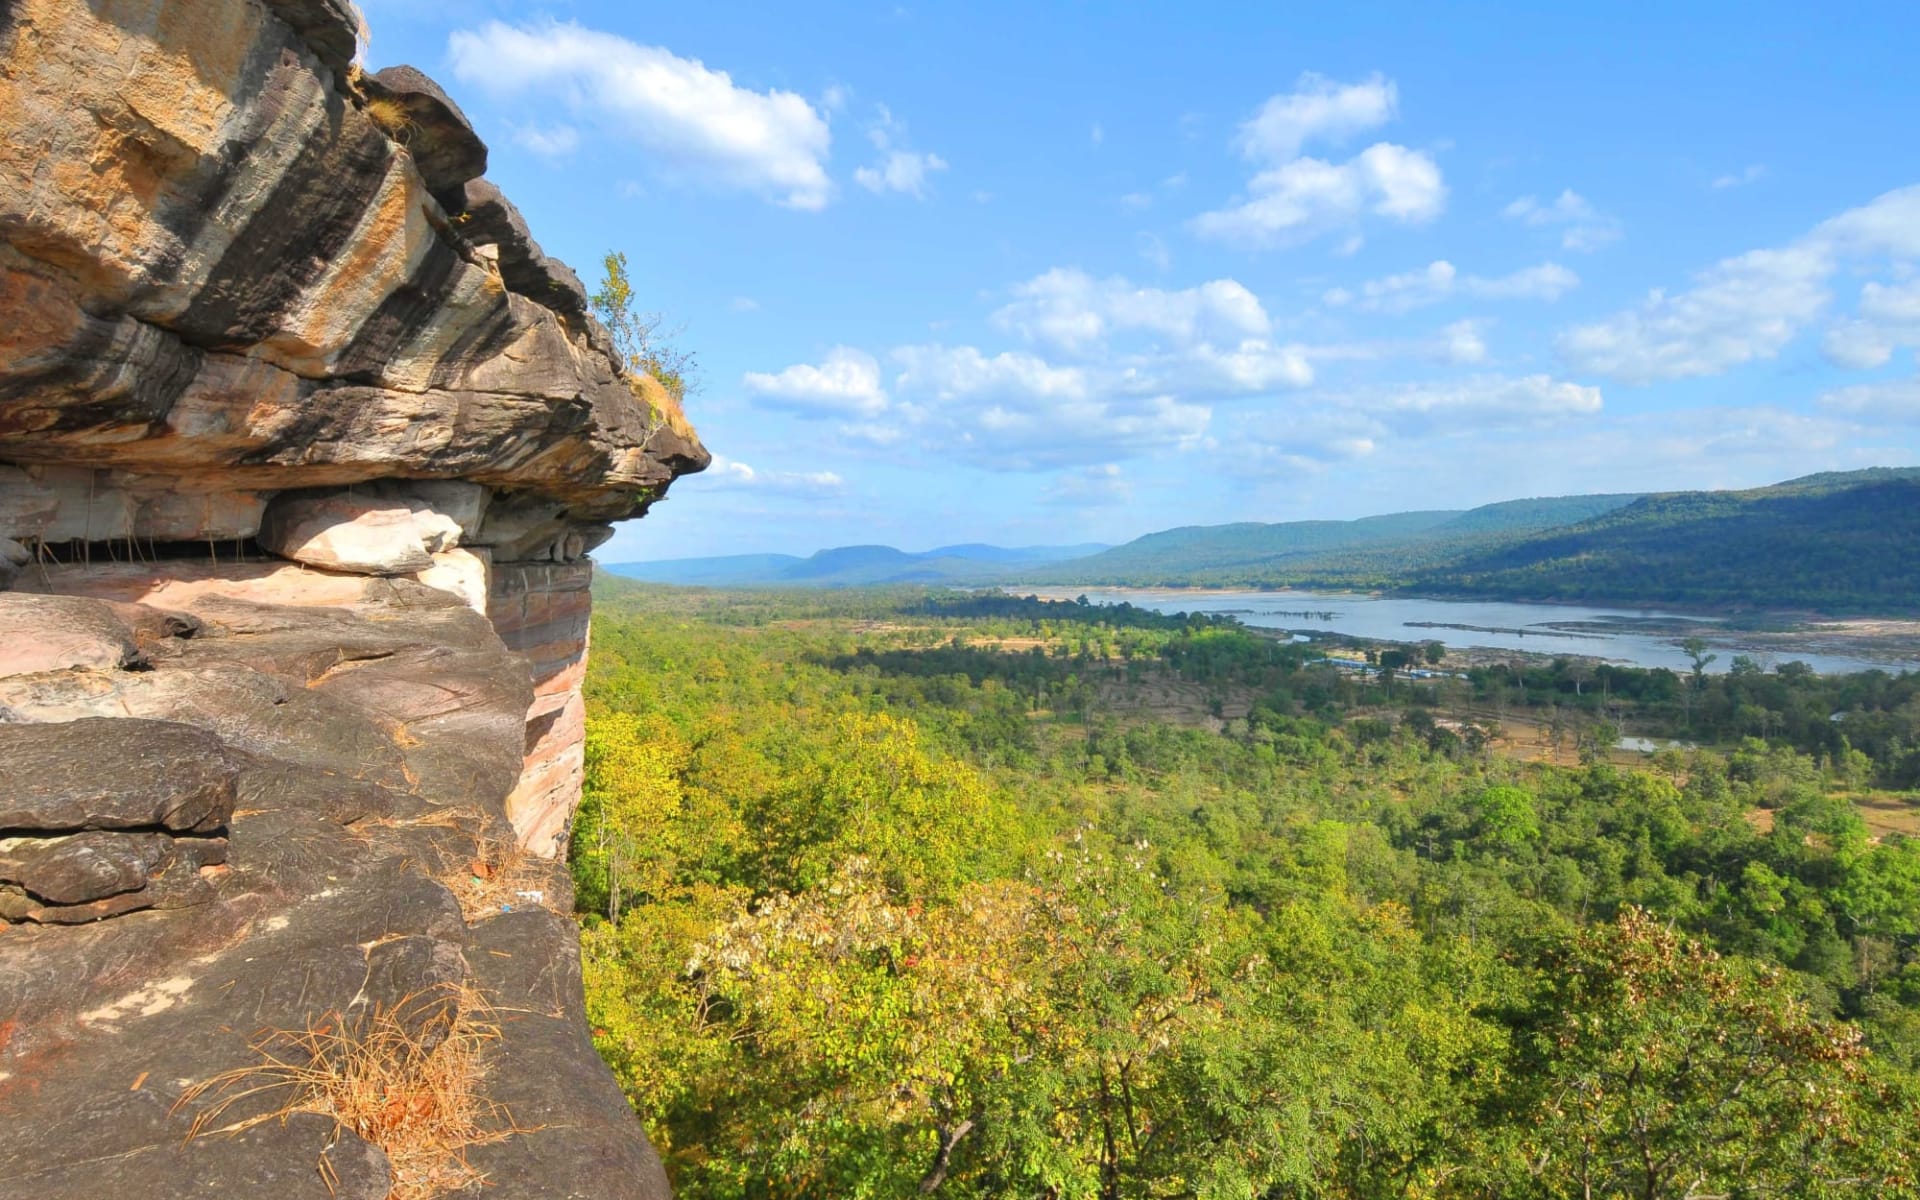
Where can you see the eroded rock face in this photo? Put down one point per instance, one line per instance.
(291, 828)
(304, 443)
(260, 303)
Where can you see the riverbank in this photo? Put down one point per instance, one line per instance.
(1508, 630)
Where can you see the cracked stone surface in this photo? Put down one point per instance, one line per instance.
(322, 882)
(304, 443)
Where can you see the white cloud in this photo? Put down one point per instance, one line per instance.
(1741, 309)
(1069, 309)
(694, 122)
(1323, 427)
(1253, 365)
(1546, 282)
(743, 304)
(1528, 396)
(726, 473)
(900, 169)
(1268, 445)
(1293, 199)
(1463, 344)
(1307, 197)
(846, 382)
(1013, 411)
(903, 171)
(1888, 318)
(1582, 227)
(1752, 174)
(947, 373)
(1098, 134)
(548, 141)
(1751, 306)
(1154, 250)
(1213, 339)
(1318, 109)
(1090, 487)
(1136, 201)
(1895, 400)
(1891, 304)
(1440, 280)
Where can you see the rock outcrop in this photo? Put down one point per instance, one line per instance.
(304, 443)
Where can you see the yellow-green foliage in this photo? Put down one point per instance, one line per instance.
(663, 374)
(898, 916)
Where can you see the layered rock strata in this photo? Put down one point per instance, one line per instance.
(304, 444)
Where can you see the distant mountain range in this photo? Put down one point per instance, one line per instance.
(1376, 549)
(855, 566)
(1840, 543)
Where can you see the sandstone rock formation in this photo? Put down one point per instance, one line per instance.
(303, 445)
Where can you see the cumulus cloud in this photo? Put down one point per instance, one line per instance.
(1253, 365)
(899, 169)
(1293, 198)
(903, 171)
(726, 473)
(1333, 426)
(1896, 401)
(1441, 280)
(1743, 308)
(1110, 370)
(1269, 445)
(1300, 200)
(1528, 396)
(846, 383)
(1752, 305)
(1734, 179)
(694, 122)
(1015, 411)
(548, 141)
(1580, 225)
(1070, 309)
(1888, 318)
(1318, 109)
(1463, 343)
(1090, 487)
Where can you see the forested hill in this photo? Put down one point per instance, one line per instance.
(1835, 543)
(852, 566)
(1372, 551)
(1838, 543)
(1193, 552)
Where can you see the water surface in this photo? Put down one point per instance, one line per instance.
(1614, 634)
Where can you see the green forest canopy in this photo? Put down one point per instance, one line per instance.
(886, 895)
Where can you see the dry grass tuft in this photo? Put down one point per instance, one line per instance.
(391, 116)
(663, 404)
(487, 874)
(499, 875)
(410, 1079)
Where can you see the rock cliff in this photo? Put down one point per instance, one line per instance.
(303, 446)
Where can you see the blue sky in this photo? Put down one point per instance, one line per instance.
(1043, 273)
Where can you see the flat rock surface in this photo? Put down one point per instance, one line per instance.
(61, 633)
(356, 767)
(97, 773)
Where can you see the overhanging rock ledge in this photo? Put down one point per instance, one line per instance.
(304, 444)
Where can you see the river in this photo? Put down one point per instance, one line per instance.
(1615, 634)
